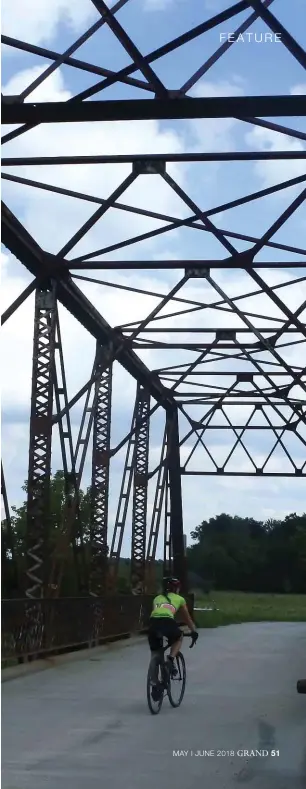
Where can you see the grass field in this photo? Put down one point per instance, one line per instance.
(237, 607)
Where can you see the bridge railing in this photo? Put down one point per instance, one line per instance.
(36, 628)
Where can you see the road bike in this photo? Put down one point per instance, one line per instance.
(160, 682)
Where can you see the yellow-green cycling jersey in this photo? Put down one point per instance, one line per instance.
(167, 606)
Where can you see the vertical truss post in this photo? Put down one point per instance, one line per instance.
(140, 493)
(67, 529)
(168, 555)
(100, 478)
(85, 428)
(40, 442)
(159, 499)
(175, 495)
(122, 509)
(100, 365)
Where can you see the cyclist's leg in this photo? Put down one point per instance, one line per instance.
(154, 640)
(175, 638)
(175, 648)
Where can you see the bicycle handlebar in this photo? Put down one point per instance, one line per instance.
(191, 635)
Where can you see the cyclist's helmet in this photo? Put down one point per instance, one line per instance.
(171, 585)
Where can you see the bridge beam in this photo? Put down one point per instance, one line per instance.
(175, 496)
(38, 514)
(100, 478)
(13, 111)
(140, 494)
(21, 244)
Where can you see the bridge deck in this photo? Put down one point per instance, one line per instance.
(85, 725)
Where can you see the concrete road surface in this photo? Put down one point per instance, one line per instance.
(85, 724)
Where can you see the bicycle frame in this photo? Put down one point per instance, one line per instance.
(160, 676)
(160, 655)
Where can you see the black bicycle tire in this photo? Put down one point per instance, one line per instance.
(173, 703)
(149, 700)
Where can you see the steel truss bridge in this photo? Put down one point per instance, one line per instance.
(227, 344)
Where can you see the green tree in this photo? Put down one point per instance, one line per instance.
(228, 551)
(242, 553)
(80, 530)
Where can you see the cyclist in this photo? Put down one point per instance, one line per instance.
(162, 622)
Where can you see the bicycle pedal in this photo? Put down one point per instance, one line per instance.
(156, 693)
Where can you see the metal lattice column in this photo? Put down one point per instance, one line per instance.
(140, 494)
(67, 528)
(168, 557)
(40, 443)
(122, 509)
(100, 480)
(175, 496)
(160, 499)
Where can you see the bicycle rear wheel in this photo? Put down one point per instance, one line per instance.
(176, 687)
(155, 689)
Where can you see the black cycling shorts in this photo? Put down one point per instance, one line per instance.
(162, 626)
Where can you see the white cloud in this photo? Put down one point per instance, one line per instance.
(298, 90)
(274, 172)
(127, 306)
(216, 134)
(258, 497)
(52, 219)
(114, 305)
(52, 89)
(42, 212)
(77, 344)
(119, 307)
(38, 21)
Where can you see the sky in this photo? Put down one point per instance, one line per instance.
(247, 68)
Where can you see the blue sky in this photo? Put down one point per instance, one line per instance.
(269, 67)
(247, 68)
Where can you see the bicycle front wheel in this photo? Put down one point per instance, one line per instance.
(176, 687)
(155, 689)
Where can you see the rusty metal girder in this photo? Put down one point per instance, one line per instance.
(160, 501)
(123, 506)
(22, 245)
(38, 514)
(176, 542)
(100, 479)
(32, 628)
(139, 109)
(249, 345)
(140, 495)
(168, 553)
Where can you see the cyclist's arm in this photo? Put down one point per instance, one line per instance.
(186, 615)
